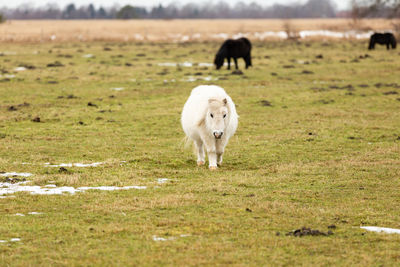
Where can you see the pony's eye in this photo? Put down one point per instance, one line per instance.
(212, 116)
(224, 116)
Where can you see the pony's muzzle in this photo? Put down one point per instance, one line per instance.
(218, 134)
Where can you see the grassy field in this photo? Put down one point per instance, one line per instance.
(317, 146)
(169, 30)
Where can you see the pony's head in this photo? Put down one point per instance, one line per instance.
(218, 61)
(217, 117)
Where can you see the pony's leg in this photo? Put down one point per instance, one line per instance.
(387, 46)
(220, 147)
(229, 63)
(236, 65)
(200, 153)
(246, 60)
(212, 153)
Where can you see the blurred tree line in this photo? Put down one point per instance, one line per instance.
(375, 8)
(245, 9)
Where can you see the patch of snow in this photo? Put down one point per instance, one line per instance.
(81, 165)
(53, 37)
(11, 240)
(157, 238)
(220, 35)
(19, 214)
(205, 64)
(269, 34)
(34, 213)
(9, 188)
(50, 185)
(185, 38)
(193, 79)
(20, 69)
(381, 229)
(22, 174)
(110, 188)
(173, 64)
(138, 36)
(88, 56)
(162, 180)
(196, 36)
(118, 88)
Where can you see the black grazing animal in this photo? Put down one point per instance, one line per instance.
(387, 39)
(234, 49)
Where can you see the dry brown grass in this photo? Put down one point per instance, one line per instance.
(164, 30)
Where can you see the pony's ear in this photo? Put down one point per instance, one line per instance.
(224, 101)
(211, 100)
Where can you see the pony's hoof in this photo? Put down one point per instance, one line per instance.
(213, 168)
(200, 163)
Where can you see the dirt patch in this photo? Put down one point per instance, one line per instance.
(36, 119)
(265, 103)
(67, 97)
(27, 66)
(12, 180)
(307, 72)
(345, 87)
(390, 93)
(320, 56)
(308, 232)
(326, 101)
(90, 104)
(15, 107)
(55, 64)
(237, 72)
(288, 66)
(393, 85)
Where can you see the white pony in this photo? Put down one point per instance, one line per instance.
(209, 118)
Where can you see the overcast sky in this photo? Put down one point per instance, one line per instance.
(341, 4)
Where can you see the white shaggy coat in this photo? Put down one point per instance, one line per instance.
(209, 118)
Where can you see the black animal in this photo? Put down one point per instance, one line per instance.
(234, 49)
(387, 39)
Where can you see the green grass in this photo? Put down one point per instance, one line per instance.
(318, 156)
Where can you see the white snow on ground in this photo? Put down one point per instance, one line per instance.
(197, 78)
(11, 240)
(35, 213)
(9, 188)
(173, 64)
(88, 56)
(205, 64)
(185, 64)
(158, 238)
(381, 229)
(30, 213)
(162, 180)
(118, 88)
(95, 164)
(23, 174)
(20, 69)
(8, 76)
